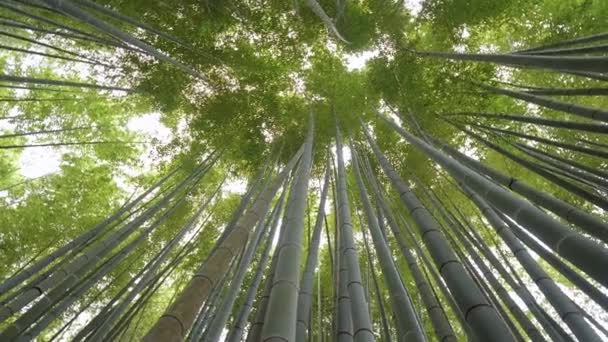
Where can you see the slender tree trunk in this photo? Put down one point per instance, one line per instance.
(569, 91)
(361, 323)
(535, 153)
(586, 112)
(325, 19)
(281, 314)
(579, 126)
(588, 64)
(570, 42)
(406, 318)
(385, 327)
(21, 134)
(583, 50)
(238, 326)
(306, 283)
(19, 79)
(224, 310)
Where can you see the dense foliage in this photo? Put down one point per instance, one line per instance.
(244, 81)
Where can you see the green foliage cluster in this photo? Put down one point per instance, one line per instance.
(266, 65)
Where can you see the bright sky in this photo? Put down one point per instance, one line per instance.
(413, 6)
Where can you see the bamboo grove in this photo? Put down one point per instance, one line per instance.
(454, 188)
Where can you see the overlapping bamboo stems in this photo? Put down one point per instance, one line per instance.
(281, 314)
(13, 22)
(571, 125)
(569, 313)
(77, 56)
(459, 231)
(575, 148)
(586, 184)
(255, 329)
(178, 318)
(407, 323)
(126, 19)
(581, 174)
(386, 331)
(81, 239)
(482, 317)
(576, 279)
(62, 284)
(239, 323)
(565, 43)
(570, 108)
(361, 323)
(558, 63)
(202, 320)
(217, 325)
(465, 240)
(481, 281)
(94, 323)
(588, 222)
(520, 288)
(142, 301)
(587, 254)
(428, 268)
(160, 279)
(307, 281)
(441, 325)
(91, 255)
(572, 188)
(201, 335)
(67, 7)
(554, 329)
(66, 325)
(151, 270)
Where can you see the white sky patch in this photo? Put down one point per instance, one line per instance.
(504, 74)
(469, 149)
(488, 48)
(234, 186)
(357, 61)
(465, 34)
(460, 48)
(39, 161)
(345, 154)
(413, 6)
(150, 125)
